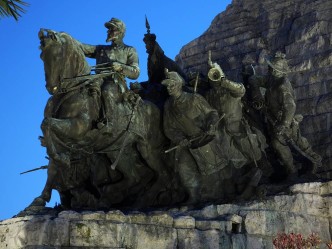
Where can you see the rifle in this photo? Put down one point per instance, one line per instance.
(191, 140)
(247, 127)
(199, 137)
(35, 169)
(291, 141)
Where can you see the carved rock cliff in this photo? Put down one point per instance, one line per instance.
(254, 29)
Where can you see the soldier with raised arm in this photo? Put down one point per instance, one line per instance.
(244, 144)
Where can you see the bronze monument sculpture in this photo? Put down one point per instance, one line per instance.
(108, 146)
(190, 123)
(83, 152)
(279, 110)
(244, 144)
(152, 89)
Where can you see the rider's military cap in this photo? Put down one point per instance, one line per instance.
(114, 22)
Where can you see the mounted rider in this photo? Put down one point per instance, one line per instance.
(119, 59)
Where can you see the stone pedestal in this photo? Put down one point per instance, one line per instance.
(306, 209)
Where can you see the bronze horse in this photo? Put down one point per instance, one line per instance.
(81, 154)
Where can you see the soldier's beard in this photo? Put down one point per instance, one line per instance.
(111, 38)
(114, 37)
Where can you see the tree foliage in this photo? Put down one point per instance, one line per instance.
(12, 8)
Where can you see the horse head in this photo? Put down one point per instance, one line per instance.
(63, 58)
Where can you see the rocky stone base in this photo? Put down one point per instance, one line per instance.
(303, 208)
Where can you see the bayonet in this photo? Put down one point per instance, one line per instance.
(292, 143)
(147, 25)
(253, 69)
(209, 59)
(199, 137)
(31, 170)
(196, 83)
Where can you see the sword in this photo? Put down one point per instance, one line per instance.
(31, 170)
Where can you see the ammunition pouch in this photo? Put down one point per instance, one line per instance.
(208, 158)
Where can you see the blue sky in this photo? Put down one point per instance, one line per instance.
(23, 95)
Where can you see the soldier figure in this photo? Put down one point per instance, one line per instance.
(158, 61)
(152, 89)
(283, 124)
(244, 144)
(190, 123)
(118, 58)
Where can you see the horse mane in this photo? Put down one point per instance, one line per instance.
(74, 58)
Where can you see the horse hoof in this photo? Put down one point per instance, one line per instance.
(261, 191)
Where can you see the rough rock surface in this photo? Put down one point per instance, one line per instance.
(302, 208)
(253, 29)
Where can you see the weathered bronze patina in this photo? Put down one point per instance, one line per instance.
(279, 109)
(110, 147)
(104, 149)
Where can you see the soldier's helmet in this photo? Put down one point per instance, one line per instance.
(114, 22)
(279, 63)
(172, 77)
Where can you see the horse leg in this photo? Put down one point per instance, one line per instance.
(49, 185)
(118, 192)
(52, 170)
(68, 128)
(162, 179)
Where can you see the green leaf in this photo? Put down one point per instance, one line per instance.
(12, 8)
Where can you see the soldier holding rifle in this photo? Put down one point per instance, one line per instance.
(283, 124)
(190, 123)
